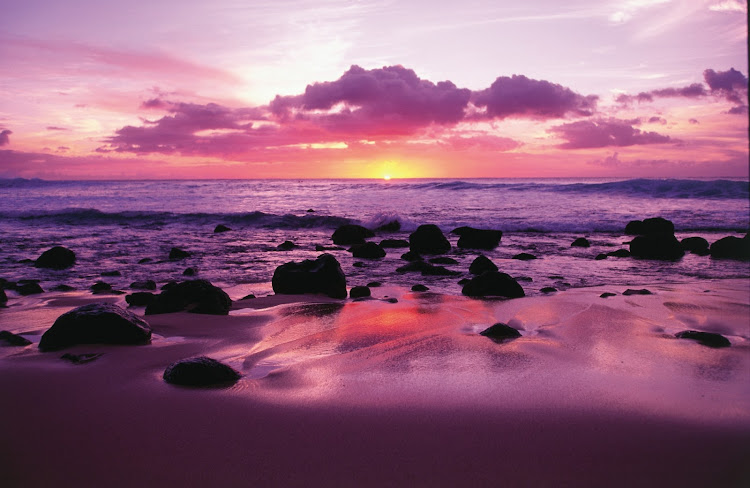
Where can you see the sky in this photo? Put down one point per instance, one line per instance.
(97, 89)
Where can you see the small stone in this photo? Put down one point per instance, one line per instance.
(620, 253)
(176, 254)
(248, 297)
(111, 273)
(419, 287)
(501, 332)
(221, 228)
(600, 256)
(581, 242)
(13, 339)
(482, 264)
(286, 246)
(143, 285)
(144, 260)
(548, 289)
(607, 294)
(709, 339)
(200, 371)
(81, 358)
(642, 291)
(359, 292)
(190, 272)
(58, 257)
(140, 299)
(443, 260)
(63, 287)
(524, 256)
(100, 286)
(374, 284)
(31, 288)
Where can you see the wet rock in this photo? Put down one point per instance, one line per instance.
(144, 260)
(471, 238)
(663, 247)
(322, 275)
(524, 256)
(528, 279)
(368, 250)
(428, 239)
(601, 256)
(463, 281)
(359, 292)
(556, 277)
(426, 269)
(320, 248)
(143, 285)
(81, 358)
(709, 339)
(248, 297)
(394, 243)
(493, 283)
(607, 294)
(695, 245)
(548, 289)
(221, 228)
(359, 264)
(350, 234)
(391, 300)
(194, 296)
(111, 273)
(286, 246)
(482, 264)
(419, 288)
(176, 254)
(309, 210)
(731, 247)
(190, 272)
(374, 284)
(100, 286)
(501, 332)
(656, 225)
(411, 256)
(12, 339)
(3, 297)
(168, 285)
(63, 287)
(96, 323)
(581, 242)
(200, 371)
(642, 291)
(140, 299)
(392, 226)
(58, 257)
(620, 253)
(443, 260)
(30, 288)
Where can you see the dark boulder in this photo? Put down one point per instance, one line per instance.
(249, 296)
(411, 256)
(200, 371)
(426, 269)
(221, 228)
(3, 297)
(100, 286)
(482, 264)
(428, 239)
(656, 225)
(642, 291)
(601, 256)
(286, 246)
(58, 257)
(176, 253)
(493, 283)
(620, 253)
(322, 275)
(95, 323)
(419, 288)
(30, 288)
(368, 250)
(111, 273)
(349, 234)
(144, 260)
(501, 332)
(63, 287)
(143, 285)
(140, 299)
(392, 226)
(524, 256)
(695, 245)
(194, 296)
(548, 289)
(443, 260)
(664, 247)
(581, 242)
(359, 292)
(471, 238)
(81, 358)
(731, 247)
(13, 339)
(394, 243)
(374, 284)
(607, 294)
(709, 339)
(190, 272)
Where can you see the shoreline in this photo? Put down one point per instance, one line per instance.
(334, 392)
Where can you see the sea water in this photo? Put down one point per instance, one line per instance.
(112, 225)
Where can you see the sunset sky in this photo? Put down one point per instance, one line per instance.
(93, 89)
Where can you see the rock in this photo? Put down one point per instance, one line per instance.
(95, 323)
(194, 296)
(500, 333)
(63, 287)
(601, 256)
(471, 238)
(391, 300)
(392, 226)
(548, 289)
(358, 264)
(581, 242)
(3, 297)
(394, 243)
(111, 273)
(323, 275)
(190, 272)
(58, 257)
(428, 239)
(493, 283)
(248, 297)
(81, 358)
(359, 292)
(100, 286)
(620, 253)
(200, 371)
(709, 339)
(349, 234)
(309, 210)
(731, 247)
(463, 281)
(656, 225)
(168, 285)
(286, 246)
(528, 279)
(368, 250)
(426, 269)
(524, 256)
(31, 288)
(144, 260)
(556, 277)
(419, 287)
(13, 339)
(663, 247)
(411, 256)
(140, 299)
(221, 228)
(482, 264)
(607, 294)
(374, 284)
(642, 291)
(143, 285)
(634, 228)
(695, 245)
(443, 260)
(176, 254)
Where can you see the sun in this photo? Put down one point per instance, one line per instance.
(386, 177)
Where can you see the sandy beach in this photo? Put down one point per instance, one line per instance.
(596, 392)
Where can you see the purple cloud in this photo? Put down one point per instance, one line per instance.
(52, 127)
(691, 91)
(738, 110)
(587, 134)
(519, 96)
(730, 84)
(4, 139)
(657, 120)
(694, 121)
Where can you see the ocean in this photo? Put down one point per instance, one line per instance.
(113, 225)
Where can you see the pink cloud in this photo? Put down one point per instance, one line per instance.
(586, 134)
(4, 139)
(53, 128)
(519, 96)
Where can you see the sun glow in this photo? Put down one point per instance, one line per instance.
(386, 177)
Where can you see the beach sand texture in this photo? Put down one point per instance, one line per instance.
(596, 392)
